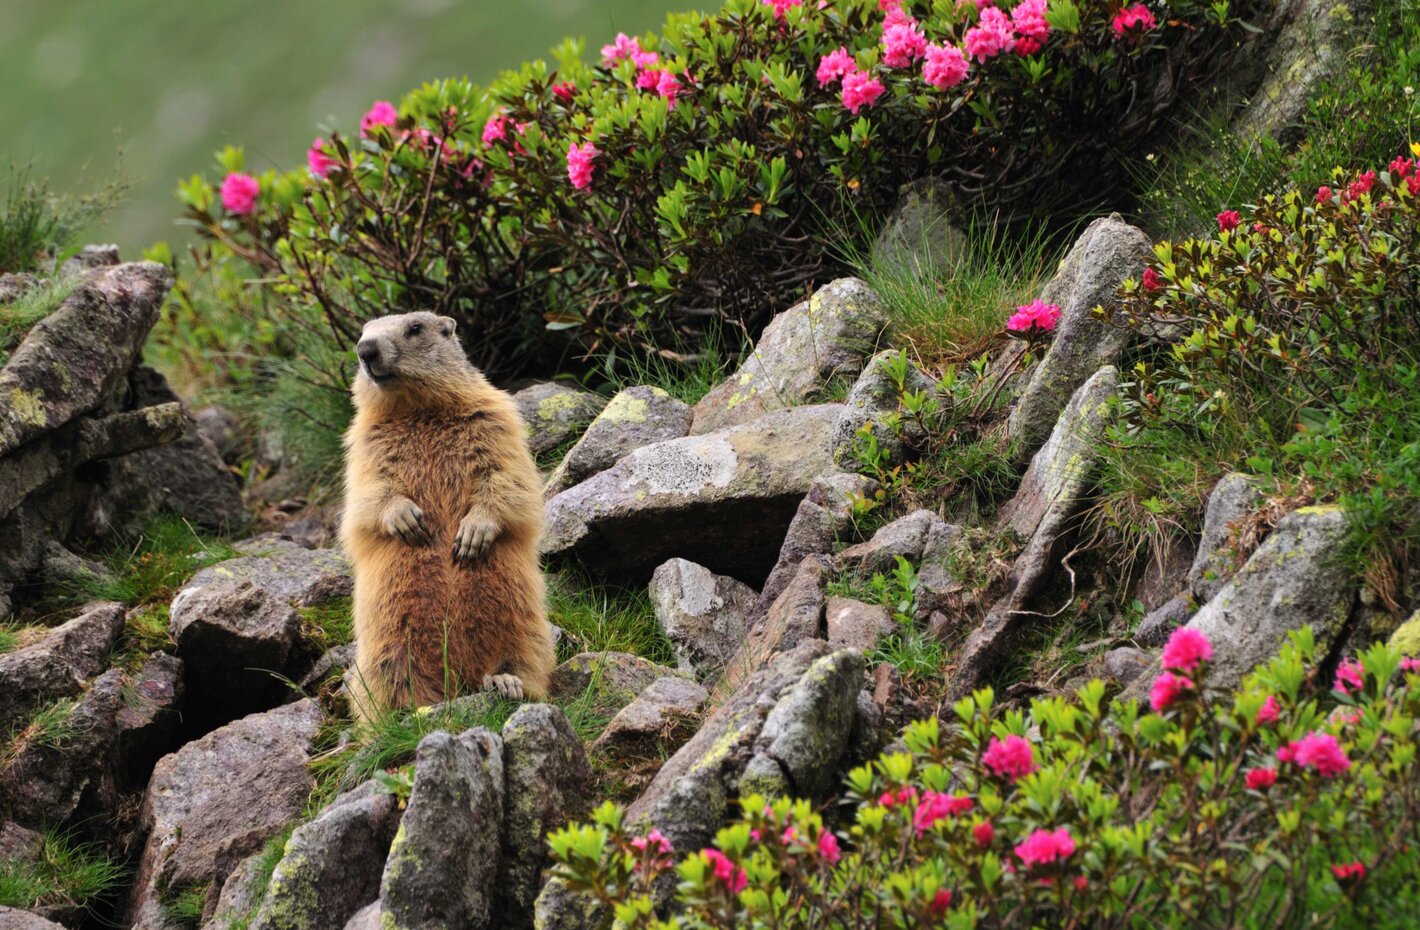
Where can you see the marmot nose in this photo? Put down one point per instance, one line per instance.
(368, 351)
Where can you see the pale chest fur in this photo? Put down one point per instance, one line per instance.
(435, 459)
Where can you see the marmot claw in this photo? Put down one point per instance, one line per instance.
(406, 521)
(509, 686)
(474, 537)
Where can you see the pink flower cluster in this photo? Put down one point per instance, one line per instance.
(655, 841)
(1349, 871)
(730, 875)
(1037, 315)
(1031, 28)
(828, 848)
(860, 89)
(1167, 689)
(992, 35)
(835, 65)
(579, 164)
(1187, 649)
(903, 43)
(1261, 778)
(662, 82)
(782, 7)
(1010, 758)
(625, 47)
(1268, 713)
(1151, 280)
(1132, 22)
(317, 160)
(1318, 751)
(381, 113)
(946, 66)
(1362, 185)
(936, 807)
(239, 193)
(1350, 676)
(564, 91)
(1229, 220)
(1044, 847)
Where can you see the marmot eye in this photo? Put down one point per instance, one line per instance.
(415, 330)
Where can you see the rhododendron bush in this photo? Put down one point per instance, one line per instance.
(1279, 805)
(692, 176)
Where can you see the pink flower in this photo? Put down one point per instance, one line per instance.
(1400, 167)
(1350, 676)
(940, 902)
(1412, 184)
(668, 87)
(1044, 847)
(828, 847)
(317, 160)
(983, 833)
(1010, 758)
(1026, 46)
(654, 840)
(1081, 883)
(579, 164)
(730, 875)
(1410, 666)
(989, 37)
(781, 6)
(1362, 185)
(564, 91)
(835, 65)
(1319, 751)
(937, 807)
(1349, 871)
(859, 89)
(946, 66)
(1037, 314)
(382, 113)
(1132, 22)
(648, 79)
(885, 5)
(1186, 649)
(496, 129)
(1323, 194)
(1268, 713)
(1167, 688)
(1151, 280)
(903, 44)
(897, 16)
(1228, 220)
(1029, 19)
(1260, 779)
(239, 193)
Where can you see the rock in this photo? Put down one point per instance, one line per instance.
(90, 257)
(240, 897)
(556, 414)
(702, 613)
(1126, 664)
(223, 430)
(75, 358)
(18, 844)
(1155, 628)
(823, 519)
(1050, 495)
(333, 864)
(921, 235)
(56, 666)
(1233, 498)
(660, 717)
(617, 677)
(635, 417)
(801, 350)
(1294, 579)
(692, 794)
(547, 783)
(1108, 252)
(722, 500)
(795, 617)
(854, 625)
(337, 659)
(368, 917)
(15, 286)
(444, 861)
(218, 799)
(1406, 637)
(875, 397)
(14, 919)
(560, 908)
(916, 536)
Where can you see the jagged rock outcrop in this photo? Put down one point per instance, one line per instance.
(824, 518)
(874, 396)
(852, 624)
(829, 335)
(1234, 497)
(796, 616)
(57, 665)
(921, 234)
(635, 417)
(661, 717)
(703, 614)
(919, 535)
(722, 500)
(556, 414)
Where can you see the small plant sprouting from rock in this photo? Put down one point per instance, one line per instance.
(65, 874)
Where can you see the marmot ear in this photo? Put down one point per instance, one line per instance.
(447, 326)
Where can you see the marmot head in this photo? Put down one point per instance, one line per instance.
(409, 355)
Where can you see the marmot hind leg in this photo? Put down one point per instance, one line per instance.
(378, 686)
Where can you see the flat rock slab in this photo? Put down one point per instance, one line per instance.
(722, 500)
(801, 350)
(57, 665)
(635, 417)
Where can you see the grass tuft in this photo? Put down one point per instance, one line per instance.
(67, 874)
(151, 566)
(49, 726)
(328, 625)
(18, 316)
(601, 618)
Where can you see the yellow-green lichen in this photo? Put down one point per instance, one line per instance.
(627, 408)
(29, 407)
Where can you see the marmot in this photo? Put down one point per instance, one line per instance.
(443, 506)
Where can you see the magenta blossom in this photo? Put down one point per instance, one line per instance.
(1044, 847)
(579, 164)
(1029, 19)
(991, 36)
(239, 193)
(828, 848)
(1260, 779)
(1186, 649)
(1410, 666)
(317, 160)
(564, 91)
(1350, 676)
(903, 44)
(1036, 315)
(1229, 220)
(936, 807)
(655, 841)
(496, 129)
(1132, 22)
(946, 66)
(1166, 689)
(730, 875)
(626, 47)
(1010, 758)
(835, 65)
(897, 16)
(782, 7)
(1268, 713)
(381, 113)
(1319, 751)
(860, 90)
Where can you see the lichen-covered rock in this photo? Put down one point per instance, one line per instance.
(722, 500)
(876, 395)
(18, 844)
(239, 896)
(807, 731)
(854, 625)
(218, 799)
(801, 350)
(703, 614)
(658, 719)
(614, 679)
(560, 908)
(1234, 497)
(796, 616)
(635, 417)
(918, 535)
(556, 414)
(57, 665)
(1108, 252)
(823, 519)
(333, 864)
(1155, 628)
(444, 860)
(1050, 495)
(547, 783)
(921, 235)
(1406, 637)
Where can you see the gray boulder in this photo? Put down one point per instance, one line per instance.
(659, 718)
(1234, 497)
(547, 783)
(556, 414)
(822, 521)
(796, 616)
(635, 417)
(876, 398)
(829, 335)
(722, 500)
(14, 919)
(1108, 252)
(855, 625)
(218, 799)
(805, 735)
(916, 536)
(921, 235)
(368, 917)
(703, 614)
(443, 863)
(57, 665)
(1156, 626)
(609, 680)
(333, 864)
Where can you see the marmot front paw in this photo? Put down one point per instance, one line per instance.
(509, 686)
(404, 519)
(474, 537)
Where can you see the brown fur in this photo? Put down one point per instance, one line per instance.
(433, 431)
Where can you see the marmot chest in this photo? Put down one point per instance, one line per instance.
(438, 455)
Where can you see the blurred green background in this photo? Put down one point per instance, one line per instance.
(168, 83)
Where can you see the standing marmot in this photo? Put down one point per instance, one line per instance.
(443, 507)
